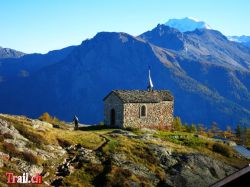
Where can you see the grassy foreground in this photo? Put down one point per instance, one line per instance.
(106, 143)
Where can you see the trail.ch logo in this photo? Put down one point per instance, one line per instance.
(23, 179)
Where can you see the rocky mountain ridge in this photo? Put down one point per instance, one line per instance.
(10, 53)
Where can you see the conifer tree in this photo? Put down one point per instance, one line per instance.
(177, 124)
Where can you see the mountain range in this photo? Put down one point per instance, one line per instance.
(190, 24)
(10, 53)
(208, 75)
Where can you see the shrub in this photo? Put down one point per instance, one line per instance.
(118, 177)
(177, 124)
(50, 119)
(1, 138)
(222, 149)
(7, 136)
(93, 169)
(10, 149)
(29, 157)
(209, 145)
(194, 142)
(45, 117)
(101, 123)
(63, 143)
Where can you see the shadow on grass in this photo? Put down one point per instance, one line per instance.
(95, 127)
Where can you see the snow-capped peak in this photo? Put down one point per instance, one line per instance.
(187, 24)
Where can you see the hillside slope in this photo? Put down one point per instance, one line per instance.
(97, 156)
(13, 69)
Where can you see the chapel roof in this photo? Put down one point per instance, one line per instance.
(142, 96)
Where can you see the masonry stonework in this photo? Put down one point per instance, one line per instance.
(113, 102)
(158, 115)
(127, 106)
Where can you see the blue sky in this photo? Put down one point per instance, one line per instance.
(43, 25)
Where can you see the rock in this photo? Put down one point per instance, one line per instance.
(151, 131)
(163, 154)
(88, 155)
(123, 132)
(46, 174)
(57, 181)
(85, 155)
(146, 136)
(45, 155)
(40, 124)
(1, 163)
(50, 147)
(196, 170)
(133, 183)
(35, 169)
(137, 169)
(6, 128)
(19, 144)
(25, 167)
(4, 156)
(119, 159)
(50, 152)
(56, 126)
(63, 170)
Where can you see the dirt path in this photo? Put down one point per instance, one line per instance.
(106, 141)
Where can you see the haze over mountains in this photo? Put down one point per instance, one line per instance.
(208, 74)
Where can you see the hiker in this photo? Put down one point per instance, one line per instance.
(76, 122)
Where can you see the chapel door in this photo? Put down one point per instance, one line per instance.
(112, 117)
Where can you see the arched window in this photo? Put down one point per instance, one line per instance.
(143, 111)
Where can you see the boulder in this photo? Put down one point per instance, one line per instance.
(135, 168)
(163, 154)
(196, 170)
(35, 169)
(40, 124)
(6, 128)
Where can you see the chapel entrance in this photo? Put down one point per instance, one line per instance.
(112, 117)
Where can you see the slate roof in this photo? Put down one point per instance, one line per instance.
(142, 96)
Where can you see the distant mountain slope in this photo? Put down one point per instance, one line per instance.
(78, 83)
(201, 44)
(10, 53)
(166, 37)
(187, 24)
(15, 68)
(245, 40)
(208, 57)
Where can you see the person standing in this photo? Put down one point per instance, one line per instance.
(76, 122)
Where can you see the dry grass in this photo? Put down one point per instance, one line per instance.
(135, 150)
(88, 139)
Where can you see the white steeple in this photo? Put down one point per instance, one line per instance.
(150, 82)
